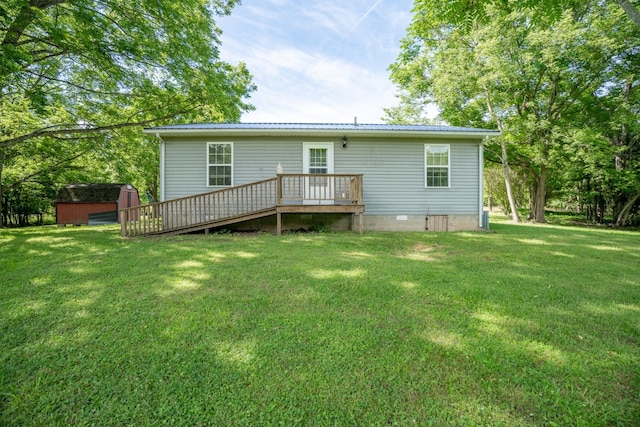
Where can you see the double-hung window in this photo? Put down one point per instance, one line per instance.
(219, 164)
(318, 160)
(437, 166)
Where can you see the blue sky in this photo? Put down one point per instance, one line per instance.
(317, 60)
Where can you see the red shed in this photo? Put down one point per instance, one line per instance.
(94, 204)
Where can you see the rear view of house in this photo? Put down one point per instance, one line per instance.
(369, 176)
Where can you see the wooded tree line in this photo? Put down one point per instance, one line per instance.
(79, 79)
(559, 79)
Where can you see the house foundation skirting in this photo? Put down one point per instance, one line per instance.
(345, 222)
(439, 222)
(303, 221)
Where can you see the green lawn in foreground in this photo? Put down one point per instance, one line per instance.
(530, 325)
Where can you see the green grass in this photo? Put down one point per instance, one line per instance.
(530, 325)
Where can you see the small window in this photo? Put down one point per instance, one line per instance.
(318, 161)
(220, 165)
(436, 166)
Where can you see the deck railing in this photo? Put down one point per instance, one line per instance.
(319, 189)
(240, 202)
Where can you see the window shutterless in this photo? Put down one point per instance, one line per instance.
(220, 164)
(436, 169)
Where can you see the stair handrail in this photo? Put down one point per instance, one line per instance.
(190, 211)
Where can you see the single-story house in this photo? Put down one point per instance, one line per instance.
(93, 204)
(386, 177)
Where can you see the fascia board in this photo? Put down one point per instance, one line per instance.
(332, 133)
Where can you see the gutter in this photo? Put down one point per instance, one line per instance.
(481, 181)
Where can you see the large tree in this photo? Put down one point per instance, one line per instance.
(530, 72)
(75, 72)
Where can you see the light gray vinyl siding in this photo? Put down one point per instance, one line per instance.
(394, 181)
(253, 160)
(185, 171)
(256, 160)
(394, 176)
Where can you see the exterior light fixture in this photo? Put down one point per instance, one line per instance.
(344, 142)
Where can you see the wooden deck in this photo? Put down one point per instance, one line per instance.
(284, 194)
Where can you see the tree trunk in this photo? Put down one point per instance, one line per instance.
(540, 196)
(623, 217)
(618, 203)
(630, 10)
(515, 216)
(155, 187)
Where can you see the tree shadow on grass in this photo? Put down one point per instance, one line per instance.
(321, 330)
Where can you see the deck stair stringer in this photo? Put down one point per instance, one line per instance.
(219, 222)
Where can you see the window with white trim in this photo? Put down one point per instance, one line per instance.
(219, 164)
(436, 166)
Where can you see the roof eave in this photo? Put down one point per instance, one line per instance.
(322, 133)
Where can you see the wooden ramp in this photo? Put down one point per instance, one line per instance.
(290, 193)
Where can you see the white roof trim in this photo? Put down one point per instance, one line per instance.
(225, 132)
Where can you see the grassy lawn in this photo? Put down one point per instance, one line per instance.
(530, 325)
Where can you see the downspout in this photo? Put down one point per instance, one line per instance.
(162, 165)
(481, 181)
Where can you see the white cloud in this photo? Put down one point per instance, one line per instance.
(321, 62)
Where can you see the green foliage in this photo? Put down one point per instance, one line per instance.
(81, 78)
(320, 228)
(28, 203)
(468, 12)
(529, 325)
(494, 188)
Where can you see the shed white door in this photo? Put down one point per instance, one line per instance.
(317, 159)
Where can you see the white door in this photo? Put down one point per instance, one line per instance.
(317, 159)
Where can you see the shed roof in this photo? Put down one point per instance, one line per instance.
(320, 129)
(86, 193)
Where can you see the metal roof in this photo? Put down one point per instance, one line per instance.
(318, 129)
(83, 193)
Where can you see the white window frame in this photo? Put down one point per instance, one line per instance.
(209, 144)
(426, 167)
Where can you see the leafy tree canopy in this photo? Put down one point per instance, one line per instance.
(464, 12)
(74, 75)
(106, 63)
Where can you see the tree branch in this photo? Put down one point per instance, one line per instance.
(47, 168)
(26, 15)
(66, 82)
(75, 129)
(631, 11)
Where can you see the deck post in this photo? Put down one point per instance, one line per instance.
(123, 225)
(361, 222)
(278, 223)
(279, 189)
